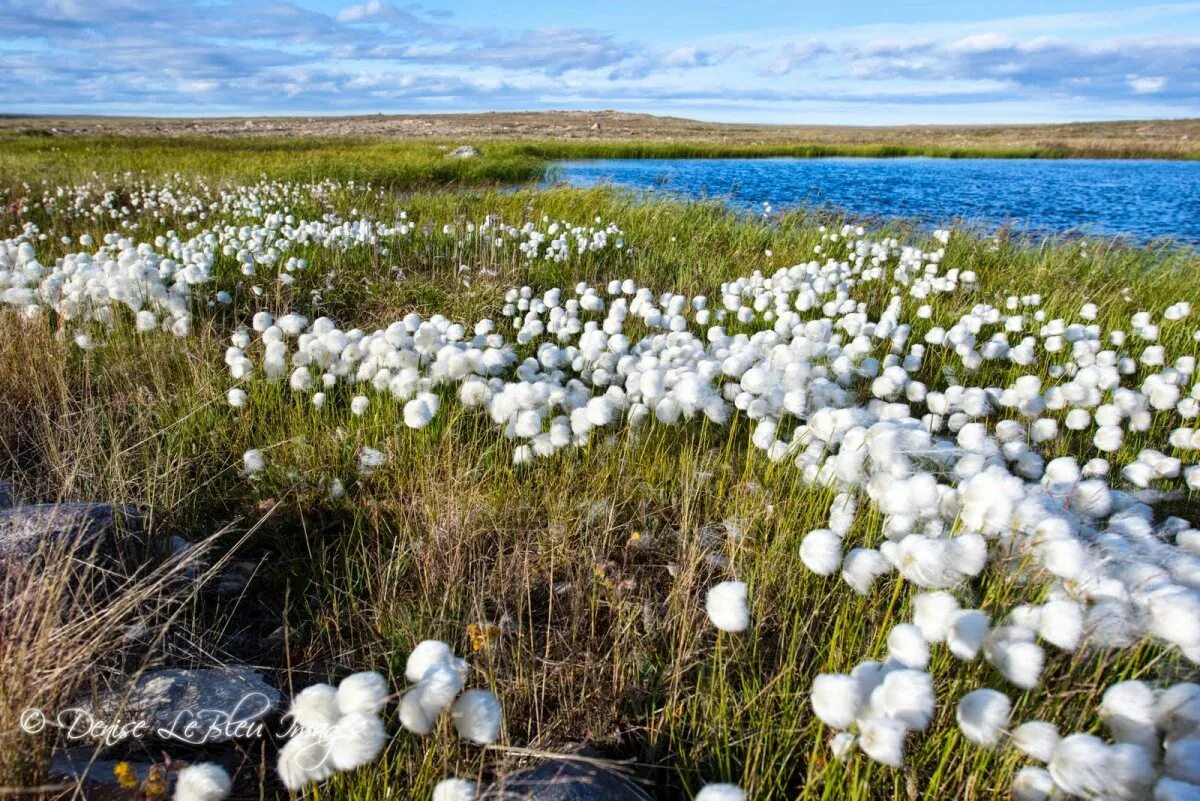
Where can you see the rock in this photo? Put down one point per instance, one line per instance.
(81, 765)
(7, 494)
(565, 780)
(209, 705)
(464, 152)
(25, 529)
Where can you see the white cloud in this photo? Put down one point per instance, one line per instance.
(1148, 86)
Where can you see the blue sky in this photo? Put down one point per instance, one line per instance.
(770, 61)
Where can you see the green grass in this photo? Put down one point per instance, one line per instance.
(593, 565)
(399, 164)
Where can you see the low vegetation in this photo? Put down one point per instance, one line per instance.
(573, 575)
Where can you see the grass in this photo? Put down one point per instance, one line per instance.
(593, 567)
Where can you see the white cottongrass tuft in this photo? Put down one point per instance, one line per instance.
(821, 551)
(315, 708)
(366, 692)
(1129, 710)
(303, 760)
(720, 792)
(356, 740)
(882, 739)
(339, 728)
(205, 781)
(982, 715)
(967, 632)
(1033, 784)
(933, 612)
(907, 645)
(455, 790)
(253, 462)
(906, 696)
(727, 607)
(1036, 739)
(477, 717)
(836, 699)
(1061, 624)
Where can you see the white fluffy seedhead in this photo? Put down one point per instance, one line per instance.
(967, 633)
(1129, 710)
(720, 792)
(1036, 739)
(1082, 766)
(836, 699)
(315, 708)
(365, 692)
(907, 645)
(906, 696)
(303, 760)
(357, 739)
(1033, 784)
(1182, 760)
(882, 739)
(1178, 710)
(424, 656)
(983, 715)
(1061, 624)
(414, 715)
(477, 717)
(455, 790)
(1017, 658)
(933, 612)
(726, 606)
(205, 781)
(821, 551)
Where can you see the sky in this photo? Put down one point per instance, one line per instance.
(849, 62)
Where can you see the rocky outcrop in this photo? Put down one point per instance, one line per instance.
(26, 530)
(565, 780)
(200, 707)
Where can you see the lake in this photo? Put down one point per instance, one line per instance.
(1141, 200)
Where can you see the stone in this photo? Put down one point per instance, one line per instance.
(8, 494)
(25, 529)
(464, 152)
(82, 765)
(565, 780)
(199, 707)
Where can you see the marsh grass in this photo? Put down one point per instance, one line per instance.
(591, 567)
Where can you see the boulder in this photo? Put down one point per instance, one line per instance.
(200, 707)
(26, 529)
(464, 152)
(81, 764)
(565, 780)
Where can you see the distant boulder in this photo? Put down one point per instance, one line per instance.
(464, 152)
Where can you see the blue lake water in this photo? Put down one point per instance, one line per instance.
(1141, 200)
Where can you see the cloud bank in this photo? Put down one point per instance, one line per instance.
(204, 58)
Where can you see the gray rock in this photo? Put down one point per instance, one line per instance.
(82, 765)
(7, 494)
(565, 780)
(25, 529)
(209, 705)
(464, 152)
